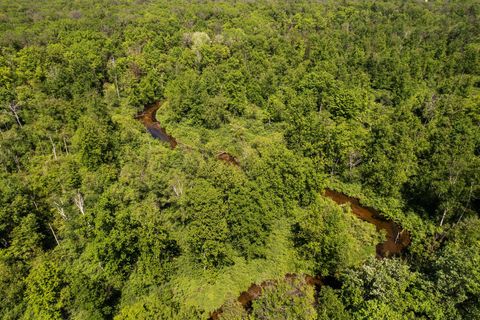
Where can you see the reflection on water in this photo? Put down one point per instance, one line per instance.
(147, 117)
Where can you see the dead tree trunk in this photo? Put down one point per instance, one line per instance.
(78, 200)
(65, 145)
(60, 210)
(54, 235)
(14, 110)
(443, 217)
(53, 148)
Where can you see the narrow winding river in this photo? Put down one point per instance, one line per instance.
(397, 239)
(149, 120)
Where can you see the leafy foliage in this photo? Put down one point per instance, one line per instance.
(98, 220)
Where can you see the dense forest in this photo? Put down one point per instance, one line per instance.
(269, 106)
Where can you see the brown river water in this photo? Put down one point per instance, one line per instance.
(149, 120)
(397, 239)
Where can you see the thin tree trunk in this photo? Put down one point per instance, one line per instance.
(116, 79)
(443, 217)
(65, 145)
(54, 235)
(465, 208)
(13, 108)
(460, 218)
(116, 86)
(398, 236)
(53, 148)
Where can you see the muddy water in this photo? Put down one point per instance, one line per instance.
(147, 117)
(149, 120)
(255, 290)
(397, 238)
(224, 156)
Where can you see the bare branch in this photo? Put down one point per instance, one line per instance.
(60, 210)
(14, 110)
(177, 188)
(78, 200)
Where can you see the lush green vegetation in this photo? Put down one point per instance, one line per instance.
(377, 99)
